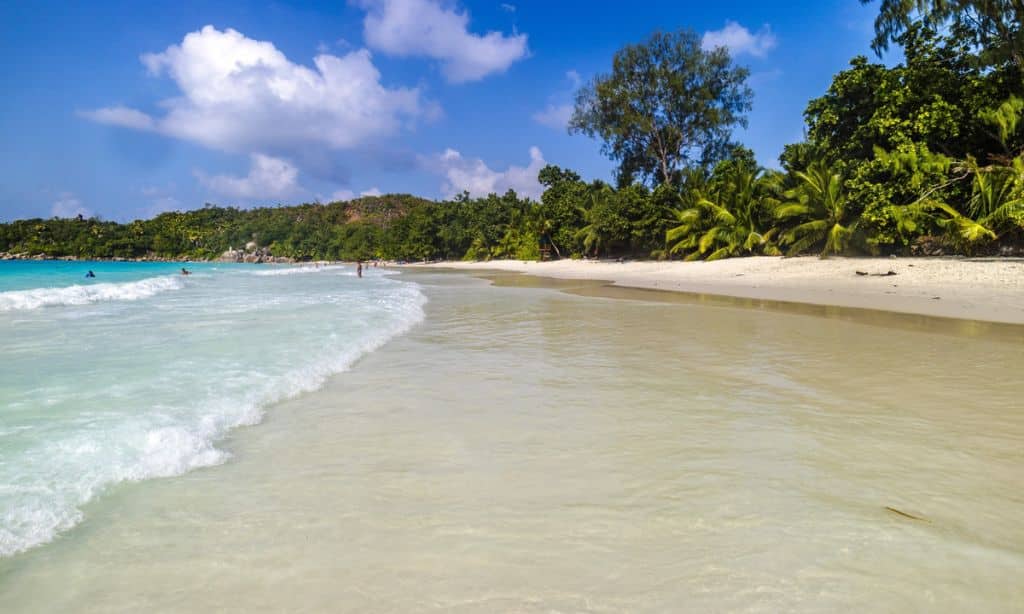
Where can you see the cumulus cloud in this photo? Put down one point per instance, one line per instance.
(268, 178)
(243, 95)
(474, 176)
(374, 191)
(69, 205)
(426, 28)
(554, 116)
(740, 40)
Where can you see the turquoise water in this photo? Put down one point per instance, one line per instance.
(139, 372)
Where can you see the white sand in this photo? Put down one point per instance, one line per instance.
(979, 289)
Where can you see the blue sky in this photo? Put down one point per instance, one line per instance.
(127, 109)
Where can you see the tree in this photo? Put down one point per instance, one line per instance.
(933, 98)
(993, 26)
(732, 220)
(564, 197)
(604, 225)
(667, 104)
(822, 209)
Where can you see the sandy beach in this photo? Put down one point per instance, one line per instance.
(990, 290)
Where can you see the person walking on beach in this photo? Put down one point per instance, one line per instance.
(359, 268)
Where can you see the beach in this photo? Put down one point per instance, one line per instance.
(988, 289)
(527, 449)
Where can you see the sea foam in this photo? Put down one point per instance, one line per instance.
(16, 300)
(299, 270)
(146, 405)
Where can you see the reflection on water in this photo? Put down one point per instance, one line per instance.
(535, 451)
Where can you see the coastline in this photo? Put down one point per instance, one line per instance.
(982, 289)
(612, 456)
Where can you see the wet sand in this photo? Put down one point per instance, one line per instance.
(990, 290)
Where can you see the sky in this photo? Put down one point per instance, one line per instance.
(128, 109)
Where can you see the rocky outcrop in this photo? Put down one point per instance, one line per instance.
(256, 255)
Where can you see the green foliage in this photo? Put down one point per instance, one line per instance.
(992, 26)
(731, 215)
(821, 209)
(666, 105)
(934, 98)
(561, 206)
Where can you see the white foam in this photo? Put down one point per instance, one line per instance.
(58, 477)
(18, 300)
(299, 270)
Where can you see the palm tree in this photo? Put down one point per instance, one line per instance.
(996, 205)
(729, 223)
(590, 234)
(821, 207)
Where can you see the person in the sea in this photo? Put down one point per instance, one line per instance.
(359, 268)
(90, 274)
(185, 271)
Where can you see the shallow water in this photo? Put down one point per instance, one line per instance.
(139, 372)
(530, 450)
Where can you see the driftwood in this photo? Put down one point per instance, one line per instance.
(906, 515)
(889, 274)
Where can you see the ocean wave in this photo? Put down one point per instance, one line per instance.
(299, 270)
(18, 300)
(170, 440)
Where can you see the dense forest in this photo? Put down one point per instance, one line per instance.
(922, 157)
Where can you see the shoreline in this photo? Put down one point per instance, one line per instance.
(982, 289)
(709, 429)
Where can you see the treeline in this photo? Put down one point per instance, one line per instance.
(399, 227)
(924, 157)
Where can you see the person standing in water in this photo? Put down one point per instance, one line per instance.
(359, 268)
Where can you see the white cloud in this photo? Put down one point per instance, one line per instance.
(244, 95)
(474, 176)
(426, 28)
(557, 116)
(68, 205)
(121, 116)
(268, 178)
(740, 40)
(346, 195)
(554, 116)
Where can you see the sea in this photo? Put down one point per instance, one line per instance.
(138, 372)
(292, 439)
